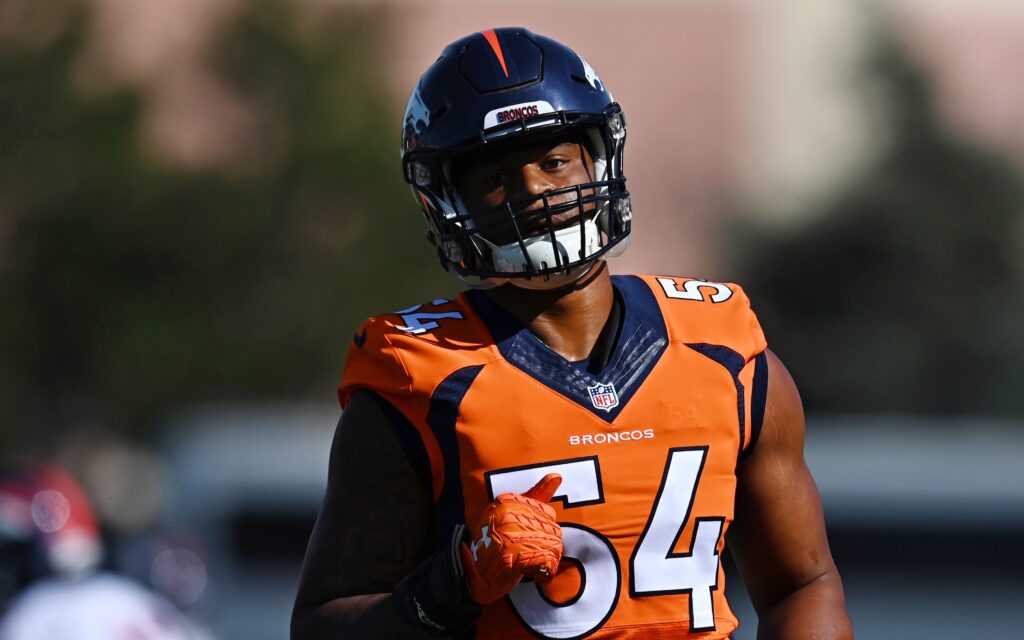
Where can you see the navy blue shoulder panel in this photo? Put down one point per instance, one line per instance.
(441, 418)
(640, 302)
(408, 438)
(502, 326)
(642, 340)
(759, 398)
(733, 363)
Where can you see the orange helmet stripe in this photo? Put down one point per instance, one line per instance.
(492, 39)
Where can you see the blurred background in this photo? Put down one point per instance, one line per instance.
(200, 200)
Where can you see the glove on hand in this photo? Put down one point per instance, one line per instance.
(515, 536)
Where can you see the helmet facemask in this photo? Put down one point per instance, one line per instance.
(536, 241)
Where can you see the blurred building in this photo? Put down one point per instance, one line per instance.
(733, 105)
(249, 481)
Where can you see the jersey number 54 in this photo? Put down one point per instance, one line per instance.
(654, 568)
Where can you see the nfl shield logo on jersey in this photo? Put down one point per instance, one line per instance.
(603, 396)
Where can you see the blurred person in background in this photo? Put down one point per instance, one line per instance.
(557, 452)
(51, 587)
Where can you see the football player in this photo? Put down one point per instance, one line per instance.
(557, 452)
(51, 586)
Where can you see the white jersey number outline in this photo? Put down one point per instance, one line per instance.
(654, 569)
(692, 290)
(417, 322)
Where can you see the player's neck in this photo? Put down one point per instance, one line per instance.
(568, 320)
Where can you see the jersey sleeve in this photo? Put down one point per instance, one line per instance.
(373, 363)
(714, 313)
(401, 359)
(738, 321)
(747, 319)
(717, 318)
(754, 376)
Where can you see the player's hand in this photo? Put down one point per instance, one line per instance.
(515, 536)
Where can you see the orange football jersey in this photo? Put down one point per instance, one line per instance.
(647, 448)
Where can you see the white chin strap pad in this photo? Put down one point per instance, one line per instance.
(541, 251)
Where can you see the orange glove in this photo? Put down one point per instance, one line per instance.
(515, 536)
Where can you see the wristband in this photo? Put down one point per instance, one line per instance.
(434, 598)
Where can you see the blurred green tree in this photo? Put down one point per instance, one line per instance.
(907, 293)
(129, 286)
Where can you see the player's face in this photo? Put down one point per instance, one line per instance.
(517, 176)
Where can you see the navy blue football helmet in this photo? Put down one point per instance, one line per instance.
(505, 87)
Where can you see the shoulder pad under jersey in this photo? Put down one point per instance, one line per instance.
(700, 312)
(404, 355)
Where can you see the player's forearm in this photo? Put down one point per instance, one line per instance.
(432, 601)
(356, 617)
(816, 611)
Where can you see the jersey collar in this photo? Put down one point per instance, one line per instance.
(642, 340)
